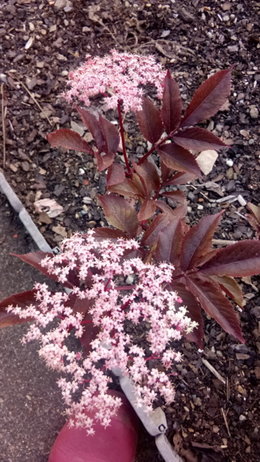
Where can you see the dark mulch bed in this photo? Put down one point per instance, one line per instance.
(40, 42)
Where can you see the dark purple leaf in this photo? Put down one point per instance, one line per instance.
(240, 259)
(115, 174)
(92, 123)
(194, 312)
(230, 287)
(104, 161)
(110, 134)
(208, 98)
(216, 305)
(22, 299)
(147, 210)
(68, 139)
(198, 139)
(34, 259)
(178, 158)
(108, 233)
(120, 213)
(172, 104)
(197, 241)
(149, 120)
(148, 173)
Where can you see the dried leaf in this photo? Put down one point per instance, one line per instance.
(49, 206)
(206, 160)
(208, 98)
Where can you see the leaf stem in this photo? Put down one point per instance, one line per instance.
(122, 134)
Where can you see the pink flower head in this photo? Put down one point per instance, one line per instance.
(115, 76)
(136, 325)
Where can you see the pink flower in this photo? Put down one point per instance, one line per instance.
(115, 76)
(121, 312)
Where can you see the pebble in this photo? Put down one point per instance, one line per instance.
(226, 6)
(230, 162)
(233, 48)
(254, 112)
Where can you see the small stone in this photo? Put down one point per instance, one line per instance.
(254, 112)
(25, 166)
(233, 48)
(245, 133)
(242, 356)
(229, 162)
(13, 167)
(242, 418)
(60, 230)
(87, 200)
(60, 4)
(215, 429)
(200, 207)
(230, 173)
(226, 6)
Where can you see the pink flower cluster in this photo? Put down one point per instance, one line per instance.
(135, 317)
(115, 76)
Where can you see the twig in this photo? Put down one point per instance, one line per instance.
(3, 115)
(33, 98)
(223, 242)
(226, 422)
(213, 370)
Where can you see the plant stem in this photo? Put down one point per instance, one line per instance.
(122, 134)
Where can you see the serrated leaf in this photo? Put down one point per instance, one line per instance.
(177, 196)
(110, 134)
(177, 158)
(108, 233)
(147, 210)
(22, 299)
(68, 139)
(148, 173)
(169, 242)
(103, 160)
(198, 139)
(194, 312)
(158, 224)
(230, 287)
(181, 178)
(171, 104)
(197, 241)
(149, 121)
(92, 123)
(216, 305)
(129, 188)
(119, 213)
(115, 174)
(240, 259)
(34, 259)
(208, 98)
